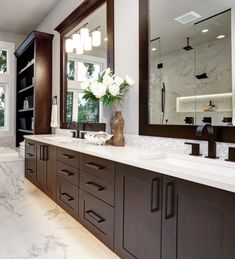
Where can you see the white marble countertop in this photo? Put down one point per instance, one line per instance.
(215, 173)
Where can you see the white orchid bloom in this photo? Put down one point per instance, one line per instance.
(85, 85)
(129, 80)
(98, 89)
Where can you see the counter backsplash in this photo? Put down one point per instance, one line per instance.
(165, 144)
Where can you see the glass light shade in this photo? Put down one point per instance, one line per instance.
(79, 48)
(76, 39)
(69, 46)
(84, 34)
(96, 38)
(88, 44)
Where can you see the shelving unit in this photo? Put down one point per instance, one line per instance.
(34, 82)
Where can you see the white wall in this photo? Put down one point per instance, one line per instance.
(126, 49)
(8, 137)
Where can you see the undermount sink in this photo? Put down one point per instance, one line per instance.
(63, 139)
(193, 163)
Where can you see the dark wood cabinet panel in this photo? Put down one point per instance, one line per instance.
(197, 221)
(97, 217)
(137, 213)
(30, 160)
(67, 196)
(68, 157)
(50, 177)
(97, 187)
(69, 173)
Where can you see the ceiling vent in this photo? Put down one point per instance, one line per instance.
(188, 17)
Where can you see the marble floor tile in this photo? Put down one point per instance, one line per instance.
(33, 226)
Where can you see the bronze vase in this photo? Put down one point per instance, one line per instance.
(117, 126)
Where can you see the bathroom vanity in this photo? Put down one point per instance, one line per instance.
(141, 205)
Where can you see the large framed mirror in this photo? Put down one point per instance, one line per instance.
(186, 69)
(87, 48)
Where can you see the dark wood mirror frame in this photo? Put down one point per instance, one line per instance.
(222, 133)
(81, 12)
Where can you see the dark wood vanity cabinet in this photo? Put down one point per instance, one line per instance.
(138, 213)
(40, 166)
(198, 221)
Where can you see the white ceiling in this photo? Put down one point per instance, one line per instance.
(23, 16)
(173, 34)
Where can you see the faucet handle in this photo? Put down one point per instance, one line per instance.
(195, 148)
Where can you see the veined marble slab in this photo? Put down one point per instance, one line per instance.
(33, 226)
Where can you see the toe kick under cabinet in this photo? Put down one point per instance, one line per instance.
(137, 213)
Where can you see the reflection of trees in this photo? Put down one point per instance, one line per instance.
(88, 112)
(71, 70)
(69, 106)
(90, 69)
(3, 61)
(2, 98)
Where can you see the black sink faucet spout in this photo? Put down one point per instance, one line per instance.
(211, 138)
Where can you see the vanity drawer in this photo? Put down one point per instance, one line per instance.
(98, 187)
(97, 217)
(30, 148)
(98, 167)
(67, 196)
(68, 157)
(69, 173)
(30, 169)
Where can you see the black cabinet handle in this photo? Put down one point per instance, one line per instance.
(41, 153)
(67, 196)
(45, 153)
(29, 154)
(65, 172)
(169, 200)
(66, 156)
(95, 186)
(29, 171)
(30, 144)
(94, 166)
(155, 195)
(95, 216)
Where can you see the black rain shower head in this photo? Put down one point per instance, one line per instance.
(188, 47)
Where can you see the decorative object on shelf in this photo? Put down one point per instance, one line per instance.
(110, 90)
(54, 113)
(32, 123)
(97, 138)
(26, 104)
(83, 40)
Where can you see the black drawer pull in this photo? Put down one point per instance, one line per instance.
(95, 186)
(29, 154)
(169, 200)
(30, 144)
(66, 172)
(95, 216)
(66, 156)
(29, 171)
(67, 196)
(94, 166)
(155, 195)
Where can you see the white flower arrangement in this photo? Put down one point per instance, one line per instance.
(109, 88)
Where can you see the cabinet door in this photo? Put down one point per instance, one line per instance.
(41, 167)
(198, 221)
(137, 213)
(50, 174)
(30, 160)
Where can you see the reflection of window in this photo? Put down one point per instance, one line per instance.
(71, 70)
(3, 61)
(82, 71)
(87, 111)
(69, 106)
(2, 106)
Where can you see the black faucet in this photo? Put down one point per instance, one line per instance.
(79, 128)
(211, 138)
